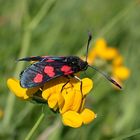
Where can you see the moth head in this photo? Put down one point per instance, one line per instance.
(76, 61)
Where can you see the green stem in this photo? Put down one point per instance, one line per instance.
(131, 134)
(28, 137)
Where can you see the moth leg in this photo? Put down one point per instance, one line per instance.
(65, 83)
(81, 84)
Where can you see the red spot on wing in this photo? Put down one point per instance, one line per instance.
(50, 60)
(66, 69)
(49, 70)
(38, 78)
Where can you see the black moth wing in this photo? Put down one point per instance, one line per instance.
(28, 75)
(41, 58)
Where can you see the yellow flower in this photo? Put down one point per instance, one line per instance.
(121, 72)
(102, 51)
(20, 92)
(68, 98)
(104, 56)
(99, 48)
(109, 53)
(100, 45)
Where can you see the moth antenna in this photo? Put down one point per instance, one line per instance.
(106, 76)
(88, 44)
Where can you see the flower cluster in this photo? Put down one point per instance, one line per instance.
(68, 100)
(102, 55)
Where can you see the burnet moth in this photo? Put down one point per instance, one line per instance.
(47, 68)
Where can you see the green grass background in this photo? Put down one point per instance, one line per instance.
(59, 27)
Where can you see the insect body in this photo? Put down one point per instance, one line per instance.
(47, 68)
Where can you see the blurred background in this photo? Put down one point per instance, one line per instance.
(59, 27)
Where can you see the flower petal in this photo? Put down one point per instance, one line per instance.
(109, 53)
(60, 100)
(118, 61)
(68, 101)
(55, 100)
(100, 44)
(103, 51)
(52, 100)
(52, 87)
(87, 116)
(20, 92)
(46, 93)
(121, 72)
(77, 102)
(72, 119)
(87, 85)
